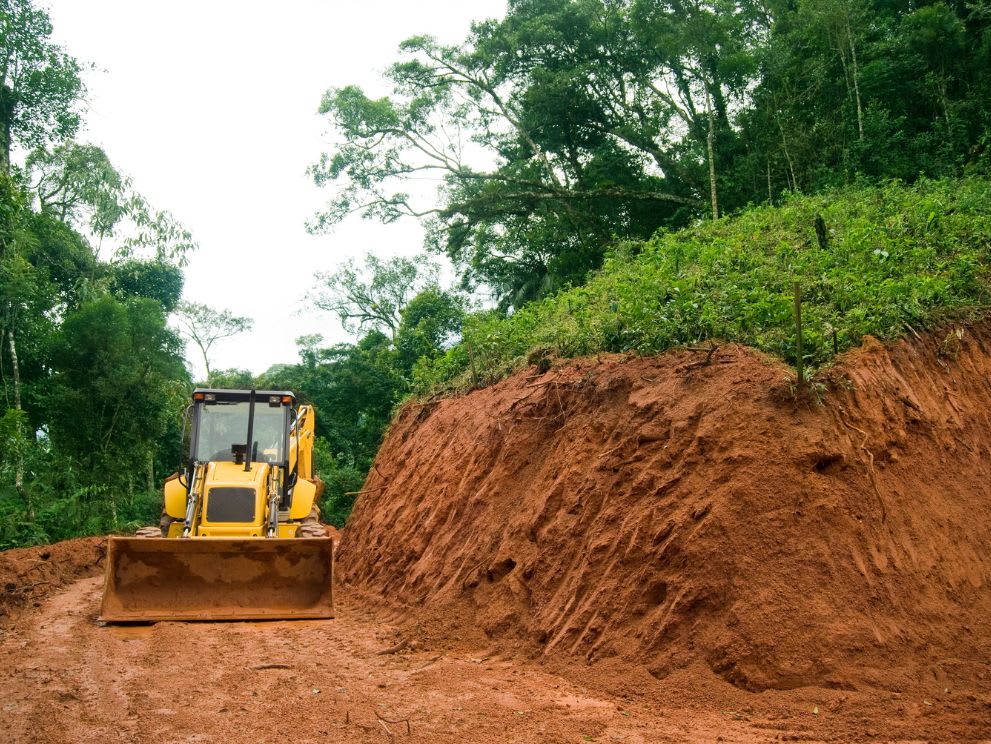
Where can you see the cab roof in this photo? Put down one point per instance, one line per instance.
(237, 395)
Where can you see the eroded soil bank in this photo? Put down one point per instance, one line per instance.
(674, 513)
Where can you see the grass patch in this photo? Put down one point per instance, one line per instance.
(894, 257)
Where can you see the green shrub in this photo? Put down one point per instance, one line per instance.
(897, 257)
(341, 478)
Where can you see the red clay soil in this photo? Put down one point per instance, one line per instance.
(374, 676)
(677, 514)
(66, 679)
(617, 550)
(27, 575)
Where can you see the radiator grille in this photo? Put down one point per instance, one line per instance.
(230, 505)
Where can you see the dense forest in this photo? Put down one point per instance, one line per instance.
(93, 377)
(619, 175)
(570, 123)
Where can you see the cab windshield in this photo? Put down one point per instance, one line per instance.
(224, 424)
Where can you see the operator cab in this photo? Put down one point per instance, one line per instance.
(225, 421)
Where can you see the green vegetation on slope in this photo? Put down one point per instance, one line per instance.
(895, 257)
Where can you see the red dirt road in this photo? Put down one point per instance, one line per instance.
(66, 678)
(69, 679)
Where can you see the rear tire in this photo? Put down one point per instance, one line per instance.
(311, 529)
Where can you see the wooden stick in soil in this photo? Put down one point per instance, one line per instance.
(384, 720)
(393, 649)
(471, 361)
(800, 361)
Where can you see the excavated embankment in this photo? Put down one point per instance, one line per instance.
(667, 511)
(28, 575)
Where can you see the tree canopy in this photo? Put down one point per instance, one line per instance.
(372, 297)
(569, 123)
(204, 326)
(39, 82)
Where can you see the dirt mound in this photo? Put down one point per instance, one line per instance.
(29, 574)
(667, 510)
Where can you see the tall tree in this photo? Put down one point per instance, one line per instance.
(39, 82)
(117, 373)
(19, 292)
(78, 184)
(153, 279)
(533, 182)
(204, 326)
(698, 60)
(372, 297)
(430, 321)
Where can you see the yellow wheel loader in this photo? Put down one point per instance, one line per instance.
(240, 538)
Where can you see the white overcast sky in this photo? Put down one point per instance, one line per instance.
(210, 106)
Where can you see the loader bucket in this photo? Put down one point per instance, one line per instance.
(218, 578)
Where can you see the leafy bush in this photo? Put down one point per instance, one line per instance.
(341, 479)
(896, 257)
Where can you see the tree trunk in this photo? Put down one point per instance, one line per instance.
(151, 471)
(856, 78)
(6, 114)
(710, 141)
(3, 376)
(941, 87)
(19, 466)
(206, 359)
(16, 368)
(4, 149)
(792, 181)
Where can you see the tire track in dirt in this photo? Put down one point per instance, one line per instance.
(69, 679)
